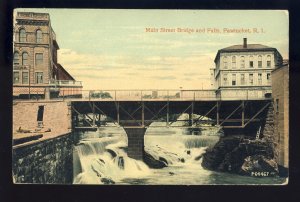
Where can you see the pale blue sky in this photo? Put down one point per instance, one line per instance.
(110, 49)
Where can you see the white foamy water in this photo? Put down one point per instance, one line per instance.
(101, 158)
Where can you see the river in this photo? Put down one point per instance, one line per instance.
(100, 157)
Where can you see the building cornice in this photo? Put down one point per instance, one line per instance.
(247, 69)
(32, 22)
(26, 44)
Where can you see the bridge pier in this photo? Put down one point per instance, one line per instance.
(135, 142)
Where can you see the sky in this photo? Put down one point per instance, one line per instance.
(111, 49)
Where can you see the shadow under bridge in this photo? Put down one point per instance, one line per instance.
(136, 116)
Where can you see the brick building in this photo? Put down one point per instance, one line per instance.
(244, 70)
(280, 94)
(36, 71)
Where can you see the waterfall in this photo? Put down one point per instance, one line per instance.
(177, 148)
(103, 160)
(101, 156)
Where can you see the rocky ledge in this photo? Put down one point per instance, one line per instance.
(242, 155)
(154, 163)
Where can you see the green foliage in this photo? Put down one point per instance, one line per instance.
(101, 94)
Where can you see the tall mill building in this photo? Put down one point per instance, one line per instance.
(244, 70)
(36, 71)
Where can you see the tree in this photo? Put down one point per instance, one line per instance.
(100, 94)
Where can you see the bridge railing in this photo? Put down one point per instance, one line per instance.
(147, 95)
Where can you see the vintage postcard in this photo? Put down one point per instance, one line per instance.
(150, 97)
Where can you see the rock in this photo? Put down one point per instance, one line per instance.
(182, 160)
(261, 165)
(216, 155)
(154, 163)
(107, 180)
(48, 130)
(101, 160)
(20, 130)
(171, 173)
(112, 153)
(121, 162)
(97, 173)
(233, 160)
(229, 154)
(198, 157)
(188, 152)
(163, 160)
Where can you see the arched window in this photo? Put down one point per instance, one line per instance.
(39, 36)
(268, 61)
(225, 62)
(251, 61)
(25, 58)
(242, 62)
(259, 61)
(22, 35)
(16, 58)
(233, 62)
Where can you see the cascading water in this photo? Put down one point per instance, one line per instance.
(101, 158)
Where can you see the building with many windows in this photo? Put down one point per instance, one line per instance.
(244, 70)
(36, 71)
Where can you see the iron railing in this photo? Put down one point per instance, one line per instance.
(65, 82)
(73, 92)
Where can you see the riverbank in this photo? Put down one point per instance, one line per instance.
(242, 155)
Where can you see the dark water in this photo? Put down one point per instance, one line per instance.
(99, 155)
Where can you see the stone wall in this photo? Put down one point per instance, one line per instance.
(135, 142)
(49, 161)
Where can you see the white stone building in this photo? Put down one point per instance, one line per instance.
(244, 71)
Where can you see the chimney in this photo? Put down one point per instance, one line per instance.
(245, 43)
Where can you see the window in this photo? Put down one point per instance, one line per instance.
(233, 62)
(259, 61)
(268, 78)
(225, 79)
(25, 77)
(22, 35)
(259, 79)
(39, 36)
(233, 79)
(225, 62)
(39, 77)
(39, 58)
(251, 79)
(251, 61)
(16, 78)
(25, 58)
(277, 105)
(242, 79)
(16, 58)
(242, 62)
(268, 61)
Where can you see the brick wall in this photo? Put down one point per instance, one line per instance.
(57, 116)
(32, 48)
(280, 93)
